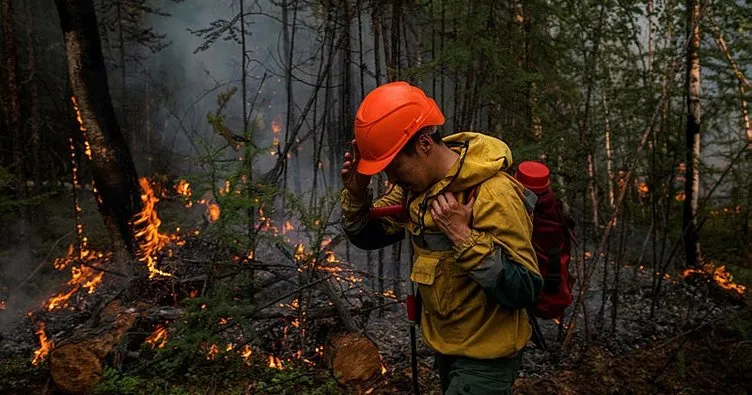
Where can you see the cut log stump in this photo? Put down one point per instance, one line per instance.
(76, 364)
(354, 359)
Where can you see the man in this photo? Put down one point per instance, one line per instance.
(473, 260)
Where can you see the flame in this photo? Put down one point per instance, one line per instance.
(643, 189)
(287, 227)
(2, 305)
(224, 321)
(45, 345)
(212, 211)
(82, 276)
(246, 353)
(213, 350)
(390, 294)
(383, 368)
(184, 189)
(275, 363)
(679, 197)
(87, 147)
(158, 338)
(229, 347)
(720, 275)
(276, 127)
(300, 254)
(294, 304)
(295, 323)
(151, 241)
(194, 293)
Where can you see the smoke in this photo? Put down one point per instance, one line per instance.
(193, 78)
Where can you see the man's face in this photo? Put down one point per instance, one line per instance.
(411, 171)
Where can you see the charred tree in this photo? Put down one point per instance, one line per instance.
(692, 137)
(114, 173)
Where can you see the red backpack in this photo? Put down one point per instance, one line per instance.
(552, 239)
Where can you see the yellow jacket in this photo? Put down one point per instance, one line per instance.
(473, 294)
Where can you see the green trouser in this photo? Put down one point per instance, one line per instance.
(462, 375)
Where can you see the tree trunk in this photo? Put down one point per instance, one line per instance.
(693, 137)
(742, 82)
(14, 99)
(35, 124)
(609, 152)
(123, 89)
(113, 170)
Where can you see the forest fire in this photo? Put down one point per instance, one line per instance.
(158, 338)
(45, 345)
(720, 275)
(151, 241)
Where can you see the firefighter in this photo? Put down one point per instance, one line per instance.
(470, 229)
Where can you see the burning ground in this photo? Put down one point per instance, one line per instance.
(192, 310)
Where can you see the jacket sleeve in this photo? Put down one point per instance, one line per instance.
(371, 233)
(499, 254)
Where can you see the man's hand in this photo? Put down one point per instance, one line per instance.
(354, 182)
(452, 217)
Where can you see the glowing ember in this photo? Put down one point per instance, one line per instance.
(679, 197)
(229, 347)
(213, 350)
(274, 362)
(151, 241)
(212, 212)
(2, 305)
(158, 338)
(723, 278)
(45, 345)
(295, 323)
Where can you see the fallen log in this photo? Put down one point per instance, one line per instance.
(76, 363)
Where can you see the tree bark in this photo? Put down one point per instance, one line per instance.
(35, 119)
(692, 137)
(14, 98)
(113, 170)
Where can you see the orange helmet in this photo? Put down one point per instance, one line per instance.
(387, 118)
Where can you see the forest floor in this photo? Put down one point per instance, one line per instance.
(697, 343)
(698, 340)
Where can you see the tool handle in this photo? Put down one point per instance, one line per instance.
(388, 211)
